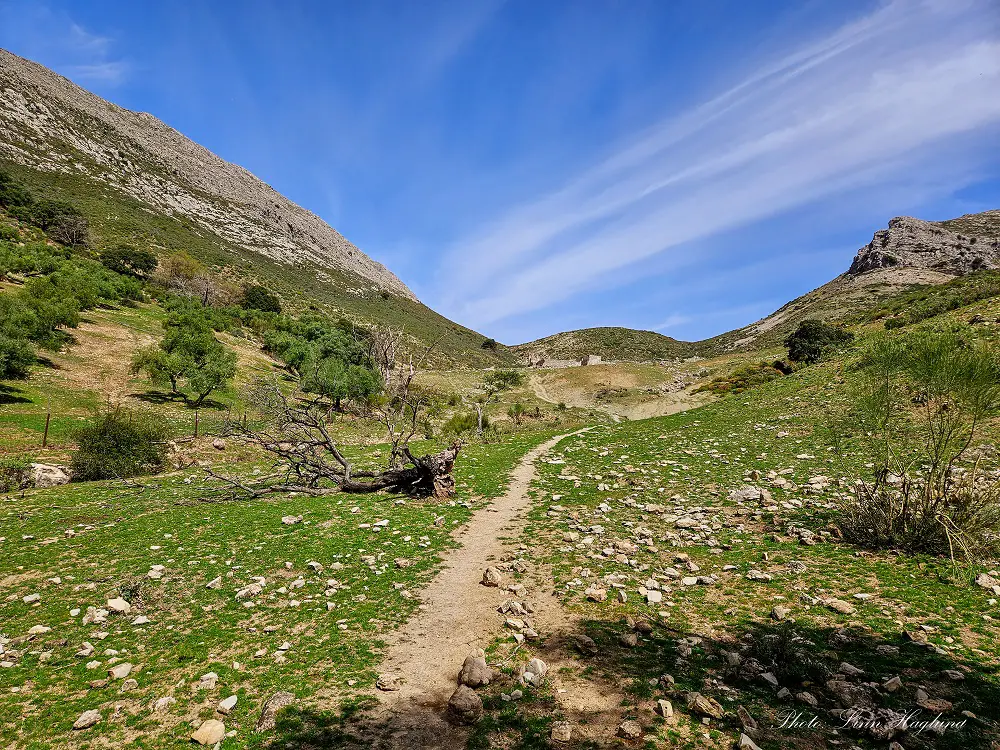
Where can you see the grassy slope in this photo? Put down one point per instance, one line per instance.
(116, 218)
(688, 464)
(122, 531)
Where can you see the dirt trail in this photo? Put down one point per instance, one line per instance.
(458, 616)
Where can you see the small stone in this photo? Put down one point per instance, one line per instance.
(120, 671)
(704, 705)
(219, 444)
(475, 672)
(87, 719)
(269, 712)
(839, 605)
(779, 613)
(665, 708)
(208, 681)
(119, 605)
(596, 594)
(388, 683)
(892, 685)
(747, 744)
(630, 730)
(291, 520)
(215, 583)
(562, 731)
(227, 704)
(162, 705)
(210, 732)
(492, 577)
(129, 685)
(465, 705)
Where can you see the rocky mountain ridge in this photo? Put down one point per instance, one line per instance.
(923, 244)
(50, 124)
(908, 253)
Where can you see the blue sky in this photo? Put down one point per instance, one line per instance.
(528, 167)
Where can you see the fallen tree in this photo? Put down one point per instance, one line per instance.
(296, 433)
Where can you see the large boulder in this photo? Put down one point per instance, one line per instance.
(49, 475)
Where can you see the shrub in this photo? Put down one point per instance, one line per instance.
(256, 297)
(120, 443)
(15, 473)
(922, 402)
(16, 357)
(129, 261)
(743, 378)
(463, 423)
(813, 339)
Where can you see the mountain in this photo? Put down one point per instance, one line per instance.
(909, 253)
(610, 343)
(140, 181)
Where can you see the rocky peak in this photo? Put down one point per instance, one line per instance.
(915, 243)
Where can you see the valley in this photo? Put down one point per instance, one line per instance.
(213, 407)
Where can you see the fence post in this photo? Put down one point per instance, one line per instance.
(196, 423)
(45, 435)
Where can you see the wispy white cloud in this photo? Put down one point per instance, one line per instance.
(53, 38)
(855, 108)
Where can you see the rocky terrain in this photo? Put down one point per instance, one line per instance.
(922, 244)
(909, 253)
(50, 124)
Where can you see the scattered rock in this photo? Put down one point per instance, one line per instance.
(210, 732)
(269, 713)
(475, 671)
(665, 708)
(388, 683)
(48, 475)
(291, 520)
(119, 605)
(562, 731)
(120, 671)
(704, 705)
(465, 705)
(219, 444)
(746, 743)
(227, 704)
(87, 719)
(162, 705)
(630, 730)
(492, 577)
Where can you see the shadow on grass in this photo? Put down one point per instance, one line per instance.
(11, 395)
(848, 673)
(158, 398)
(796, 682)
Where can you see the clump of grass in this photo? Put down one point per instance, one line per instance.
(923, 400)
(120, 443)
(744, 378)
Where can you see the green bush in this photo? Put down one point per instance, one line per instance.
(743, 379)
(813, 339)
(921, 405)
(256, 297)
(120, 443)
(15, 473)
(463, 424)
(129, 261)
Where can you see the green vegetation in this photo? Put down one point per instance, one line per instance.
(120, 443)
(929, 301)
(257, 297)
(610, 343)
(188, 355)
(814, 339)
(924, 399)
(743, 378)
